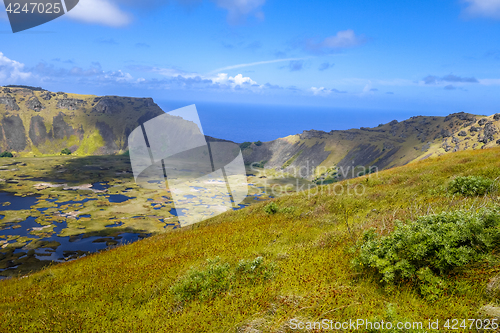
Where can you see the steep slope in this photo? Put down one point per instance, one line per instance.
(313, 152)
(34, 121)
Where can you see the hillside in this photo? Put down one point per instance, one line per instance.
(388, 145)
(34, 121)
(296, 264)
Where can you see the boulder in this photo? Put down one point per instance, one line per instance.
(462, 133)
(482, 121)
(34, 104)
(489, 311)
(493, 287)
(496, 116)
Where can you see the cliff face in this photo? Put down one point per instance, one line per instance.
(42, 122)
(386, 146)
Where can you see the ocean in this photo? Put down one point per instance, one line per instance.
(254, 122)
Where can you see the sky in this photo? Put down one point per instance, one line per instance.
(431, 56)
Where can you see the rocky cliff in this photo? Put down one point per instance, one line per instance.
(34, 121)
(311, 153)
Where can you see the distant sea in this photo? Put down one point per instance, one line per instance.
(253, 122)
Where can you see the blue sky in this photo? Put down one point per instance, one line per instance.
(434, 57)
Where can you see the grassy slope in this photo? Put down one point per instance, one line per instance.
(127, 289)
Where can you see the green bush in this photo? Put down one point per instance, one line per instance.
(432, 245)
(203, 284)
(66, 151)
(471, 185)
(271, 208)
(245, 145)
(218, 277)
(6, 154)
(258, 143)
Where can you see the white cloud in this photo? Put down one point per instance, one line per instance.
(342, 40)
(254, 64)
(101, 12)
(238, 10)
(320, 91)
(486, 8)
(237, 80)
(11, 71)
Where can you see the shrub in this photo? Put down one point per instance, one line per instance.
(203, 284)
(6, 154)
(245, 145)
(432, 245)
(471, 185)
(66, 151)
(218, 277)
(258, 143)
(271, 208)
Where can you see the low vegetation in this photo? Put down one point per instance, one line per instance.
(217, 277)
(431, 247)
(6, 154)
(245, 145)
(65, 151)
(471, 185)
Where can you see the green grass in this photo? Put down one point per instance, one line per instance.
(290, 161)
(133, 288)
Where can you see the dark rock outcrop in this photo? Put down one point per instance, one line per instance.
(108, 105)
(14, 133)
(38, 131)
(312, 134)
(70, 103)
(109, 137)
(489, 132)
(9, 102)
(47, 95)
(34, 104)
(483, 121)
(445, 133)
(60, 128)
(461, 116)
(462, 133)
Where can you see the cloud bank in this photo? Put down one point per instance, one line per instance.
(482, 8)
(103, 12)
